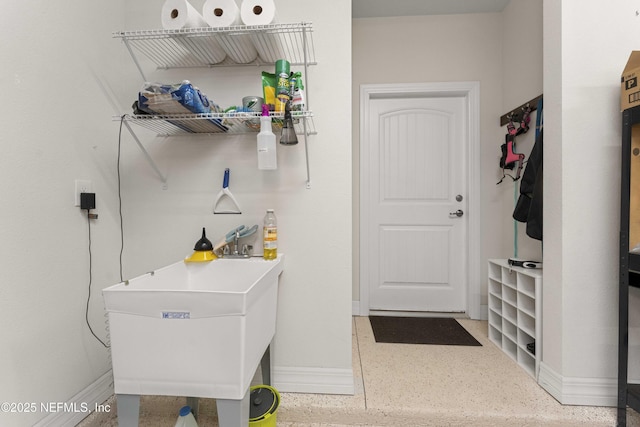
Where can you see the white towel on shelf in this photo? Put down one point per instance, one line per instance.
(263, 12)
(226, 13)
(258, 12)
(179, 14)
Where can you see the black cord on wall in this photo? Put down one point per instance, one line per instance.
(86, 314)
(120, 196)
(121, 236)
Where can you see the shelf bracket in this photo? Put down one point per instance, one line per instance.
(306, 151)
(148, 157)
(304, 123)
(135, 59)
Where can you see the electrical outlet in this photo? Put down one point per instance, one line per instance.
(81, 186)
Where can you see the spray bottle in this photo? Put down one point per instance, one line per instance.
(297, 92)
(267, 156)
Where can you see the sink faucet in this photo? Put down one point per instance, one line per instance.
(237, 252)
(230, 246)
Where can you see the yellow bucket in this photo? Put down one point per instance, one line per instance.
(264, 401)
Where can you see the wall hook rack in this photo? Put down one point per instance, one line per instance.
(516, 113)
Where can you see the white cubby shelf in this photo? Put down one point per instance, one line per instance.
(515, 312)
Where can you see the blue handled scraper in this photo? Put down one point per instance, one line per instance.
(225, 193)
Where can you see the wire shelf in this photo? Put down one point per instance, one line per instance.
(218, 47)
(217, 123)
(209, 47)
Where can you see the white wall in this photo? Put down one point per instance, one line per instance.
(586, 46)
(437, 49)
(56, 128)
(552, 304)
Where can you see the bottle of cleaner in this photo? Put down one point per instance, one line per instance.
(267, 156)
(186, 418)
(297, 96)
(283, 69)
(270, 236)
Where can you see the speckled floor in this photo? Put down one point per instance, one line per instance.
(410, 385)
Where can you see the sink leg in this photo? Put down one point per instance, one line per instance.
(193, 402)
(128, 409)
(265, 366)
(233, 413)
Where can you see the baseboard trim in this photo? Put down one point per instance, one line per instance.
(578, 391)
(313, 380)
(82, 404)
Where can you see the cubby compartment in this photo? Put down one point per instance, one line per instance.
(509, 312)
(524, 339)
(495, 287)
(527, 285)
(510, 348)
(527, 361)
(509, 330)
(495, 273)
(514, 313)
(495, 335)
(509, 295)
(526, 322)
(509, 277)
(527, 304)
(495, 304)
(495, 319)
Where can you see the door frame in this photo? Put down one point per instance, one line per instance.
(471, 92)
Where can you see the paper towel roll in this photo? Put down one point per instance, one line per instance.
(205, 50)
(226, 13)
(178, 14)
(258, 12)
(263, 12)
(221, 13)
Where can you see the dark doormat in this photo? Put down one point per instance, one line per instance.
(420, 330)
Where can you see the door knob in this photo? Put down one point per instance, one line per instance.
(457, 213)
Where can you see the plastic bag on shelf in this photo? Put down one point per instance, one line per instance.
(179, 98)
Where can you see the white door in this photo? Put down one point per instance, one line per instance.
(417, 203)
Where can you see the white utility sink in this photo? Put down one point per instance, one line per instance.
(193, 329)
